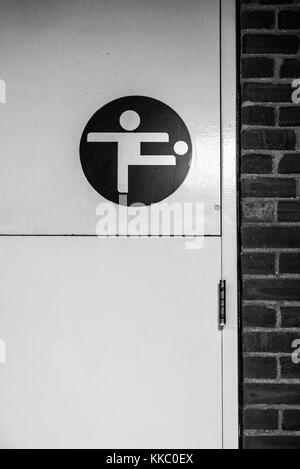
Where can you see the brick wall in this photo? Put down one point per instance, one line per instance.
(270, 185)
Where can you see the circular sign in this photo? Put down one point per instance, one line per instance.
(135, 150)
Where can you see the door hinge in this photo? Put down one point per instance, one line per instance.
(222, 304)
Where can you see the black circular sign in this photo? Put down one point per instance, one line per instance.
(136, 147)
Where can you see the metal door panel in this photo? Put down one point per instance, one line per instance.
(111, 343)
(62, 61)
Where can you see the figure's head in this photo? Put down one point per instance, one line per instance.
(130, 120)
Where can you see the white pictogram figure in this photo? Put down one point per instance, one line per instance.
(129, 147)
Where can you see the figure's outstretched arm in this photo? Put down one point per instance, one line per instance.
(158, 137)
(103, 137)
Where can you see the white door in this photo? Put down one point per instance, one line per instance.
(112, 340)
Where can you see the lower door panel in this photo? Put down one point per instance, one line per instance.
(111, 343)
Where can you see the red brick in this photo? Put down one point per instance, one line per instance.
(258, 264)
(270, 44)
(257, 164)
(266, 139)
(259, 368)
(269, 187)
(267, 93)
(289, 263)
(272, 394)
(269, 342)
(258, 115)
(257, 67)
(272, 289)
(267, 2)
(290, 68)
(289, 116)
(258, 316)
(257, 19)
(258, 211)
(272, 442)
(289, 211)
(257, 419)
(290, 164)
(288, 19)
(271, 237)
(290, 316)
(291, 420)
(289, 370)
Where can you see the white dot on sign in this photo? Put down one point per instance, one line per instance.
(181, 148)
(130, 120)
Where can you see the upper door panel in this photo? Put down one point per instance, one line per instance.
(62, 62)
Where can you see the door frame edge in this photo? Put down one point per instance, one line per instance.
(228, 101)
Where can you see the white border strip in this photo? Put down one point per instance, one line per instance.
(229, 222)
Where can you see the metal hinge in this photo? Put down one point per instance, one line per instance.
(222, 304)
